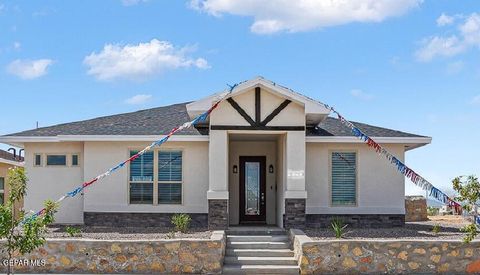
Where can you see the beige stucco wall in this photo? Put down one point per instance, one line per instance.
(53, 182)
(281, 179)
(111, 194)
(380, 188)
(252, 148)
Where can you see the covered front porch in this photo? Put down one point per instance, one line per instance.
(256, 178)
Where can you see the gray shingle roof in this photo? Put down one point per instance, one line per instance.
(9, 156)
(161, 120)
(333, 127)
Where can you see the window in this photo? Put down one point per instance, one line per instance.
(2, 190)
(74, 160)
(344, 179)
(170, 177)
(37, 160)
(141, 179)
(161, 184)
(56, 160)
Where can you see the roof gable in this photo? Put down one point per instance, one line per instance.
(314, 111)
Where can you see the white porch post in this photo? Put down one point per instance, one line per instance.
(295, 193)
(217, 194)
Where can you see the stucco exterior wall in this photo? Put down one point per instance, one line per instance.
(252, 148)
(281, 179)
(111, 194)
(53, 182)
(374, 176)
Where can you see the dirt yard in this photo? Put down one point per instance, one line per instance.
(123, 233)
(449, 230)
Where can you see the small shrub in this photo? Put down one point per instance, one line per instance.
(181, 222)
(436, 228)
(338, 227)
(432, 211)
(73, 231)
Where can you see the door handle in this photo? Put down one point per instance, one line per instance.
(263, 198)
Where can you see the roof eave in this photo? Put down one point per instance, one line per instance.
(409, 142)
(17, 140)
(12, 162)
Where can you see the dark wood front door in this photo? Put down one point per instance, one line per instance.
(252, 189)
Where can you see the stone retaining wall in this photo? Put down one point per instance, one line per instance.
(385, 256)
(415, 209)
(127, 256)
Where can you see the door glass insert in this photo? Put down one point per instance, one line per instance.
(252, 188)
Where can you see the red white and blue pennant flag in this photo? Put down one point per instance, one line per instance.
(401, 167)
(159, 142)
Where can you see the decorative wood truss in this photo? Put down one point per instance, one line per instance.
(257, 123)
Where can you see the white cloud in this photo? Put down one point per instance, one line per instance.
(445, 20)
(29, 69)
(271, 16)
(361, 94)
(468, 37)
(138, 99)
(132, 2)
(140, 61)
(476, 100)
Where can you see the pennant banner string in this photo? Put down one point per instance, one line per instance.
(401, 167)
(159, 142)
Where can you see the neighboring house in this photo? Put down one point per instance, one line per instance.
(7, 161)
(265, 155)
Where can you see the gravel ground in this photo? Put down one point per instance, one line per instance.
(449, 229)
(130, 233)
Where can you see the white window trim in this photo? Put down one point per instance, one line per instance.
(155, 176)
(56, 154)
(78, 160)
(35, 160)
(330, 177)
(166, 182)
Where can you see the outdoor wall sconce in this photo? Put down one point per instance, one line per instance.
(270, 169)
(235, 169)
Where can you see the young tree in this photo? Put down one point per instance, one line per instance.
(468, 189)
(21, 237)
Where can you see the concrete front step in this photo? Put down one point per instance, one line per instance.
(260, 269)
(257, 238)
(260, 260)
(260, 252)
(255, 231)
(261, 245)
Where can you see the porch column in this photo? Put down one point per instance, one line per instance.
(295, 193)
(217, 194)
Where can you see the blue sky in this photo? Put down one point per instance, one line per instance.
(410, 65)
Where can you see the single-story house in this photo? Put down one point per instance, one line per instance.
(266, 155)
(7, 161)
